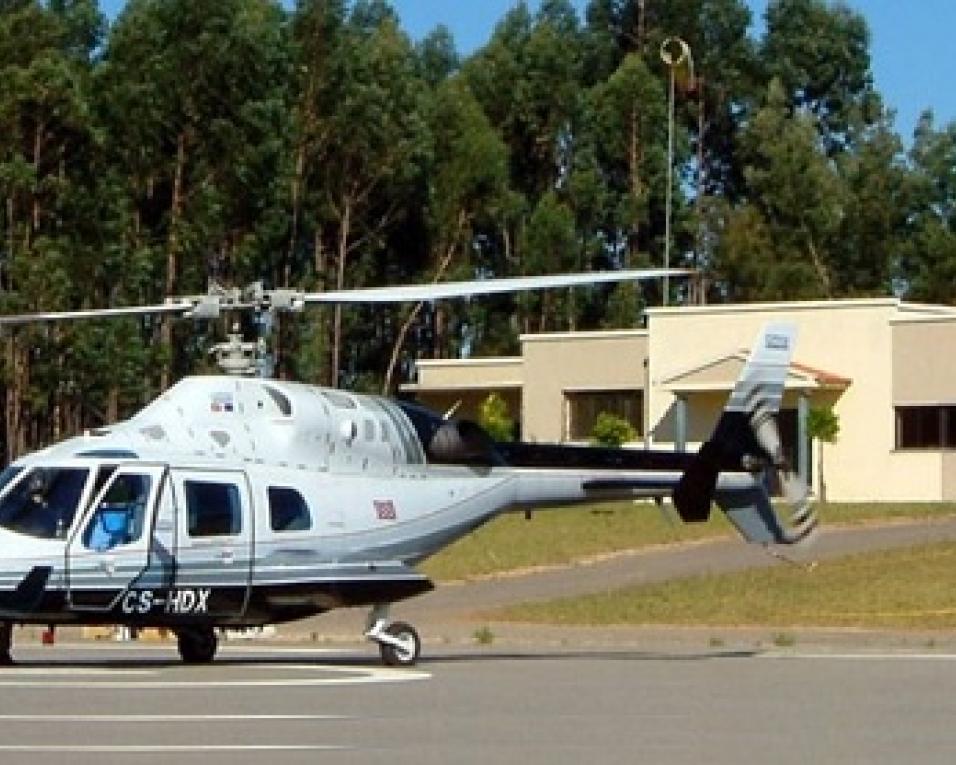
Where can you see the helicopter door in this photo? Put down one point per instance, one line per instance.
(214, 541)
(110, 550)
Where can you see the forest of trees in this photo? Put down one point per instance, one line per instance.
(321, 147)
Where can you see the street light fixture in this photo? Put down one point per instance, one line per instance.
(676, 54)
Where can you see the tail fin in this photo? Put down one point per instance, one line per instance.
(746, 439)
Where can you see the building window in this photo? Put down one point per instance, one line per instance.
(584, 408)
(287, 510)
(926, 427)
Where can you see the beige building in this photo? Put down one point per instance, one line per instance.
(884, 366)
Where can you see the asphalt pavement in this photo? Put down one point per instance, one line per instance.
(126, 704)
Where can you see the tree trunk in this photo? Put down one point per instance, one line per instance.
(634, 173)
(296, 192)
(15, 426)
(172, 256)
(4, 285)
(823, 485)
(343, 249)
(820, 267)
(641, 24)
(112, 404)
(37, 151)
(406, 327)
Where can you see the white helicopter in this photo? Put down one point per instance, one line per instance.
(236, 502)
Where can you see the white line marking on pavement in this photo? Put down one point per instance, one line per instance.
(345, 676)
(166, 718)
(171, 749)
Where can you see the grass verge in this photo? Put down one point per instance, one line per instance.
(561, 537)
(900, 589)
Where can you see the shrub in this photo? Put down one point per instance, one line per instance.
(494, 418)
(611, 430)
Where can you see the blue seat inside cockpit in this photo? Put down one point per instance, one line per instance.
(111, 527)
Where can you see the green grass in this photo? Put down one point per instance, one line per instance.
(865, 512)
(560, 537)
(911, 588)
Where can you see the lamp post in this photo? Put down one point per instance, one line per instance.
(674, 53)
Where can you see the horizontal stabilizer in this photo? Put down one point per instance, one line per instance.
(754, 517)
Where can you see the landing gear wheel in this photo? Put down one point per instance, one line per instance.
(407, 650)
(6, 641)
(197, 646)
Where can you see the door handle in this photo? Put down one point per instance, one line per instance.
(108, 565)
(227, 556)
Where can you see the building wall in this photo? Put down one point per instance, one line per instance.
(469, 373)
(924, 364)
(852, 339)
(462, 385)
(892, 353)
(558, 363)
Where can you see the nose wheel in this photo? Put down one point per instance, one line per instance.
(398, 642)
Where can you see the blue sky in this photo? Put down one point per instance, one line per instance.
(912, 48)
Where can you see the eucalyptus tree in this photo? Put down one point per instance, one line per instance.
(629, 124)
(365, 159)
(781, 242)
(467, 194)
(47, 137)
(927, 268)
(819, 51)
(874, 226)
(193, 98)
(528, 80)
(437, 56)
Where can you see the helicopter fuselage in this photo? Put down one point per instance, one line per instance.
(242, 502)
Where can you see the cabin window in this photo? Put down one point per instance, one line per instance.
(288, 510)
(119, 516)
(584, 407)
(212, 509)
(43, 502)
(926, 427)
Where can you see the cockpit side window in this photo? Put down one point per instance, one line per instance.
(118, 518)
(43, 502)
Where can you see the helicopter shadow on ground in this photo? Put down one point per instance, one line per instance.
(340, 660)
(623, 655)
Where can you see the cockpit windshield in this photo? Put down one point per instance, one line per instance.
(43, 502)
(9, 473)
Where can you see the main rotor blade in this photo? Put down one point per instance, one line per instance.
(98, 313)
(442, 290)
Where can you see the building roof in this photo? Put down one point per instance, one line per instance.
(721, 373)
(903, 308)
(459, 387)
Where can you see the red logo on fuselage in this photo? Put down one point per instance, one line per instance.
(385, 510)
